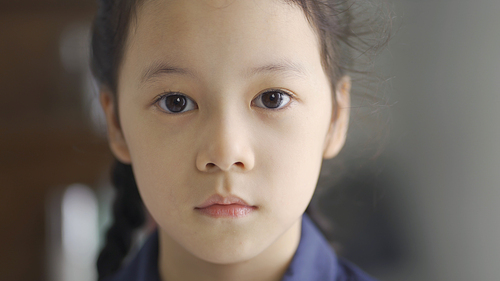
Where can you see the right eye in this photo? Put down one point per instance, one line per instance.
(176, 103)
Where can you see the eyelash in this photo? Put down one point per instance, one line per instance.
(290, 96)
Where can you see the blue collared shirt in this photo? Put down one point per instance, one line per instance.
(314, 260)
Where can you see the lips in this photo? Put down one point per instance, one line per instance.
(219, 200)
(230, 206)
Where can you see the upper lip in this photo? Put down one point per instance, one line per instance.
(221, 200)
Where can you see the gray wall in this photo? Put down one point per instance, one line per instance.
(445, 60)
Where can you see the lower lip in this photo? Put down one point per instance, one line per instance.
(227, 211)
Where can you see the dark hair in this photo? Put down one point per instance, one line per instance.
(340, 40)
(128, 215)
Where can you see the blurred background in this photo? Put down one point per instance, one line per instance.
(423, 206)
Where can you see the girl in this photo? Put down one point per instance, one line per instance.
(219, 114)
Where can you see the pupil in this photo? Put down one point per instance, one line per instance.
(272, 99)
(175, 103)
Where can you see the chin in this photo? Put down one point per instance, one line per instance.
(227, 252)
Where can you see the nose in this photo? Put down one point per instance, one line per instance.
(225, 145)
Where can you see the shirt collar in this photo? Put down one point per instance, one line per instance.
(314, 259)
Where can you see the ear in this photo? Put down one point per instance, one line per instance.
(337, 132)
(115, 135)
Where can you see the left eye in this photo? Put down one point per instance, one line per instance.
(273, 99)
(176, 103)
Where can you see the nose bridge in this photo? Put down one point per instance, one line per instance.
(225, 144)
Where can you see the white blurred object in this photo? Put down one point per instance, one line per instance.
(79, 233)
(73, 234)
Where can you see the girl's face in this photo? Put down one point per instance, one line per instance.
(251, 117)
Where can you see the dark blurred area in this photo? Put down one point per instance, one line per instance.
(46, 138)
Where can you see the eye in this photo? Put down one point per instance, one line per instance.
(175, 103)
(273, 99)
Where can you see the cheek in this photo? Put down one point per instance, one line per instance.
(290, 158)
(162, 161)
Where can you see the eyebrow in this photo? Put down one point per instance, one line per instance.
(159, 68)
(284, 66)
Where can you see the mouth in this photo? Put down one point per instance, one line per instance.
(217, 206)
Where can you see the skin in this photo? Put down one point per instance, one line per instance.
(228, 144)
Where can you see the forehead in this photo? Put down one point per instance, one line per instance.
(207, 34)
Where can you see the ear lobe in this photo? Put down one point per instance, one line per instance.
(115, 135)
(337, 132)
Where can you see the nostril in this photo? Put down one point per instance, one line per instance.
(212, 166)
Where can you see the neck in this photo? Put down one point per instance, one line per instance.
(176, 264)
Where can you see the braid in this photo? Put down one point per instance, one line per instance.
(128, 215)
